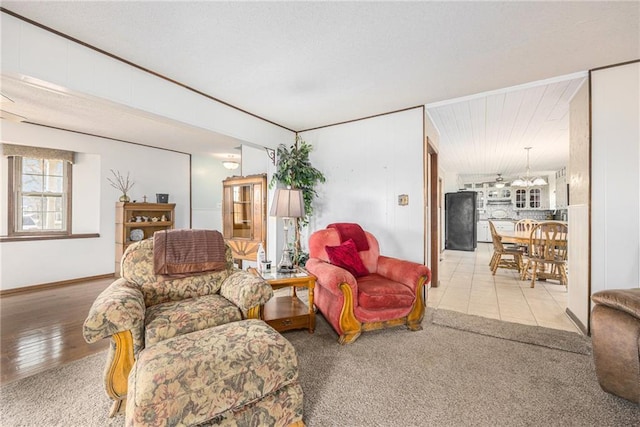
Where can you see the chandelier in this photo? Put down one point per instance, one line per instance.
(528, 180)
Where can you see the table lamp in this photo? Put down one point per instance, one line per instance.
(287, 204)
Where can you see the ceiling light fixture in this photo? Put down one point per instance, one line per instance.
(230, 164)
(499, 181)
(527, 180)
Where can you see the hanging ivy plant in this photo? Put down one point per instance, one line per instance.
(294, 170)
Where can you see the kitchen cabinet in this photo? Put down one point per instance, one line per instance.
(244, 215)
(484, 231)
(531, 197)
(494, 193)
(138, 221)
(481, 198)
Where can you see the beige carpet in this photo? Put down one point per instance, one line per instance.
(440, 376)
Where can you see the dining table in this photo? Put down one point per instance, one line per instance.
(518, 237)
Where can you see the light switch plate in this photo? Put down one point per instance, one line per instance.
(403, 200)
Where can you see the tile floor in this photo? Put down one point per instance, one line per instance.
(467, 286)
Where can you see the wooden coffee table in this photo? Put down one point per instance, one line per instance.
(288, 312)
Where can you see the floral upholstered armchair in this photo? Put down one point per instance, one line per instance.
(357, 289)
(143, 308)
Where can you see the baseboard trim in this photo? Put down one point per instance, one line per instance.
(43, 286)
(577, 321)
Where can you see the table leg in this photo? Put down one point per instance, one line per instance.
(312, 313)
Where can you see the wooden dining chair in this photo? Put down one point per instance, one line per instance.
(525, 224)
(500, 251)
(547, 253)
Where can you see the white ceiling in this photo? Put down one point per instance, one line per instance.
(308, 64)
(486, 135)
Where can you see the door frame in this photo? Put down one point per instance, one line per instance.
(432, 209)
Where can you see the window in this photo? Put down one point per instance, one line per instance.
(39, 196)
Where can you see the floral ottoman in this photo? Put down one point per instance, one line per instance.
(237, 374)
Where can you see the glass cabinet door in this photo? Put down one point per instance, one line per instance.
(521, 198)
(241, 211)
(534, 198)
(244, 215)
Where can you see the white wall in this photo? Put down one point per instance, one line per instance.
(32, 52)
(207, 174)
(615, 179)
(368, 163)
(153, 170)
(43, 58)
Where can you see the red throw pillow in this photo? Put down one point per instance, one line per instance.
(346, 256)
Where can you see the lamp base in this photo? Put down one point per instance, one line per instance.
(286, 264)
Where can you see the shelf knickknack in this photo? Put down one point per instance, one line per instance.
(121, 183)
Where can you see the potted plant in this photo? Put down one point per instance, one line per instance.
(294, 170)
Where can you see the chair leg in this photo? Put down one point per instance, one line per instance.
(563, 274)
(518, 260)
(493, 260)
(534, 269)
(496, 263)
(351, 327)
(117, 371)
(523, 272)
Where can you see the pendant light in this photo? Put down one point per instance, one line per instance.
(527, 180)
(499, 181)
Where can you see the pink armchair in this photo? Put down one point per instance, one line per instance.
(389, 291)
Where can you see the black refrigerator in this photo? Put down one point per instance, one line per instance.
(461, 221)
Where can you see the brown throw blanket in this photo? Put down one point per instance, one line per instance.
(349, 230)
(188, 251)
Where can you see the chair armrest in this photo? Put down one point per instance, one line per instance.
(118, 308)
(331, 276)
(406, 272)
(246, 290)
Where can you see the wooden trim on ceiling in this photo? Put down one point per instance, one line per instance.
(613, 65)
(107, 137)
(34, 288)
(139, 67)
(362, 118)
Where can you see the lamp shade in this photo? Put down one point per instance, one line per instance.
(287, 203)
(539, 181)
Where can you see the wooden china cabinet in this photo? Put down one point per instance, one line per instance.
(244, 215)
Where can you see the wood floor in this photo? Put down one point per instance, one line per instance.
(43, 329)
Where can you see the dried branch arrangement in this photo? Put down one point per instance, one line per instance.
(121, 183)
